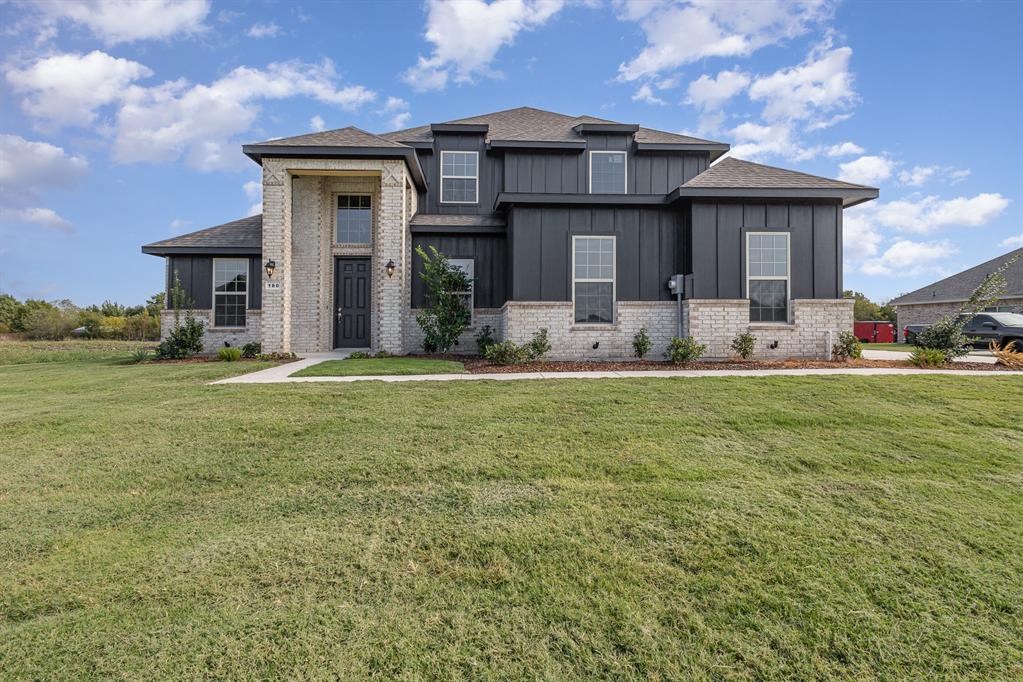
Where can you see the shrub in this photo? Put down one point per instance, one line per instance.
(485, 339)
(1010, 355)
(928, 357)
(506, 353)
(140, 354)
(641, 343)
(359, 355)
(5, 328)
(382, 354)
(538, 347)
(50, 323)
(743, 345)
(847, 347)
(185, 337)
(229, 354)
(446, 315)
(251, 349)
(276, 357)
(684, 350)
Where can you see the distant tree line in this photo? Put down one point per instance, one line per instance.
(865, 309)
(39, 319)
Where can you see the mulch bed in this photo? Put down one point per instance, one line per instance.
(477, 365)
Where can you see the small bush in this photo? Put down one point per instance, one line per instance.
(928, 357)
(140, 354)
(684, 350)
(485, 339)
(506, 353)
(946, 335)
(252, 349)
(382, 354)
(847, 347)
(184, 340)
(359, 355)
(229, 354)
(1010, 355)
(641, 343)
(276, 357)
(538, 347)
(743, 345)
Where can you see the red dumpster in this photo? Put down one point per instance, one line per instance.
(874, 331)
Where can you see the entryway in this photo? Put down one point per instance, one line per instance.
(352, 300)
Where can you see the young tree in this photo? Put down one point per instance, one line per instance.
(446, 315)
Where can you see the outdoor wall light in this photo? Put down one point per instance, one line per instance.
(390, 268)
(270, 267)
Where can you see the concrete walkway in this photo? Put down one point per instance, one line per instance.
(975, 356)
(276, 375)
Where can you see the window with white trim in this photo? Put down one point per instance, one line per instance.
(593, 279)
(459, 177)
(608, 172)
(354, 219)
(767, 276)
(467, 266)
(230, 291)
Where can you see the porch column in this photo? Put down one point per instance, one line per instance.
(276, 246)
(392, 297)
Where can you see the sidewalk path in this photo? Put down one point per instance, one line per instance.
(868, 354)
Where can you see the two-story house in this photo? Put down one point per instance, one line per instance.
(572, 223)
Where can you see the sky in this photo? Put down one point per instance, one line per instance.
(122, 124)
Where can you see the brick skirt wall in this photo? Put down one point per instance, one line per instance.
(466, 341)
(213, 339)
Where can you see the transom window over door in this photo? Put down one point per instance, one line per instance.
(230, 291)
(767, 276)
(607, 172)
(459, 177)
(354, 219)
(593, 279)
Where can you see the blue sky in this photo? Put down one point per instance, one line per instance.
(123, 126)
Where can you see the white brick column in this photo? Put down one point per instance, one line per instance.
(276, 313)
(391, 295)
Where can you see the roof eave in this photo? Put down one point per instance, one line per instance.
(849, 197)
(510, 198)
(573, 145)
(716, 149)
(256, 152)
(158, 250)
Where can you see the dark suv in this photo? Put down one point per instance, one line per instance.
(1002, 328)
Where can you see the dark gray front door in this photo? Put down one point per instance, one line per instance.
(352, 300)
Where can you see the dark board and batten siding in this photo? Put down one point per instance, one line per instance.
(196, 275)
(490, 254)
(540, 245)
(718, 246)
(491, 174)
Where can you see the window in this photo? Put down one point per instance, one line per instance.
(607, 173)
(354, 219)
(593, 279)
(998, 309)
(767, 276)
(230, 291)
(468, 266)
(459, 177)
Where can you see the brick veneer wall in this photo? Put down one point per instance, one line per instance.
(929, 313)
(466, 341)
(521, 319)
(213, 339)
(715, 322)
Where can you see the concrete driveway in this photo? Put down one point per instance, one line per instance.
(975, 356)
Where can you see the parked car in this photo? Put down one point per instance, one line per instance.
(874, 331)
(1001, 328)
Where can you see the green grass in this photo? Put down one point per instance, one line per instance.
(153, 526)
(380, 367)
(27, 352)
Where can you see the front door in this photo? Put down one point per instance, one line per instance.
(351, 298)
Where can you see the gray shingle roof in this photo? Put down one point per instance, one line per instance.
(537, 125)
(735, 173)
(342, 137)
(445, 220)
(958, 287)
(246, 233)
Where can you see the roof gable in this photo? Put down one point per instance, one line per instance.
(340, 137)
(960, 286)
(736, 173)
(238, 236)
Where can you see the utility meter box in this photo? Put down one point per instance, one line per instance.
(676, 284)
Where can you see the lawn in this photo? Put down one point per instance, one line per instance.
(380, 367)
(27, 352)
(153, 526)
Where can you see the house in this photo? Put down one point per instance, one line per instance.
(571, 223)
(929, 304)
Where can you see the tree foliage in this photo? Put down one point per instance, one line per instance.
(446, 315)
(866, 310)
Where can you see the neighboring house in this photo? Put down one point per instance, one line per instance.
(575, 224)
(934, 301)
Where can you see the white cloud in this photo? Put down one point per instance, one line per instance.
(1013, 242)
(711, 93)
(43, 217)
(26, 165)
(254, 191)
(125, 21)
(921, 215)
(844, 149)
(263, 30)
(907, 258)
(178, 225)
(958, 176)
(917, 176)
(679, 33)
(645, 93)
(317, 123)
(66, 89)
(397, 108)
(866, 170)
(820, 85)
(755, 141)
(860, 237)
(467, 34)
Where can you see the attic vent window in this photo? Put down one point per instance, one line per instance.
(607, 172)
(459, 177)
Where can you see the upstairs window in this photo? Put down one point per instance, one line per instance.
(459, 177)
(607, 172)
(354, 219)
(230, 291)
(467, 266)
(593, 279)
(767, 276)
